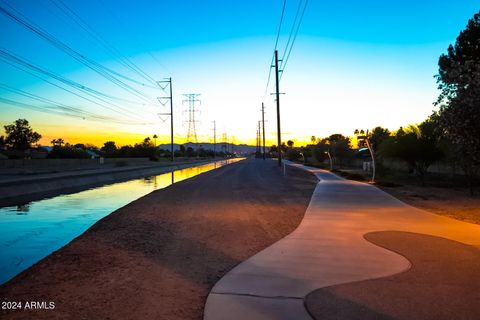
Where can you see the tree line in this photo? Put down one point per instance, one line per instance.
(21, 137)
(450, 135)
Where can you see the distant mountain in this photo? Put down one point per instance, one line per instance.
(236, 148)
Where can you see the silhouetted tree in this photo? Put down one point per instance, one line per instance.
(378, 136)
(109, 147)
(320, 150)
(182, 150)
(67, 152)
(20, 135)
(340, 148)
(417, 146)
(57, 142)
(80, 146)
(459, 100)
(189, 152)
(147, 143)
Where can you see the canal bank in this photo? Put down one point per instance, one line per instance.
(159, 256)
(33, 230)
(24, 188)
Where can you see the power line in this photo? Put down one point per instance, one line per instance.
(114, 52)
(60, 87)
(61, 106)
(276, 43)
(285, 61)
(48, 109)
(280, 24)
(293, 28)
(107, 73)
(122, 25)
(6, 56)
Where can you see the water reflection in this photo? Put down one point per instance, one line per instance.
(23, 208)
(29, 232)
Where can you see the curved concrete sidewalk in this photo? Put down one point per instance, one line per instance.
(327, 248)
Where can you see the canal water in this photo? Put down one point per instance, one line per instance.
(31, 231)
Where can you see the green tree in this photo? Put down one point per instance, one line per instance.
(340, 148)
(109, 147)
(320, 150)
(378, 136)
(459, 100)
(189, 152)
(416, 145)
(20, 135)
(147, 143)
(57, 142)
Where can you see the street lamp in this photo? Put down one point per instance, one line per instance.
(361, 136)
(330, 158)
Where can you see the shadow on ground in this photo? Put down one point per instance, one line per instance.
(442, 283)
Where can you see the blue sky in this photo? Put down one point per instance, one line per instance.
(354, 64)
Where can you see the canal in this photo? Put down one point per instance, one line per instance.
(31, 231)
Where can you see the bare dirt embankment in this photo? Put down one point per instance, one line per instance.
(159, 256)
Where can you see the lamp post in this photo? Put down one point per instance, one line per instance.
(330, 158)
(362, 136)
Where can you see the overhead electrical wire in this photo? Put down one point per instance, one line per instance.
(114, 52)
(19, 62)
(63, 88)
(67, 109)
(49, 110)
(122, 26)
(105, 72)
(276, 44)
(23, 61)
(285, 60)
(292, 30)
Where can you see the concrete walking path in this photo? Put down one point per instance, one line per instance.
(326, 249)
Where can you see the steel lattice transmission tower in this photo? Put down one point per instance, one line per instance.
(191, 99)
(225, 142)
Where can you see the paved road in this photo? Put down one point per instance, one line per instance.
(328, 248)
(159, 256)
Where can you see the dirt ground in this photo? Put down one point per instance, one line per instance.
(445, 289)
(441, 195)
(159, 256)
(451, 202)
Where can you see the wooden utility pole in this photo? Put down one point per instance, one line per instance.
(263, 129)
(259, 139)
(277, 94)
(214, 139)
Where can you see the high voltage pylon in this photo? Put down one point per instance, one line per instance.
(214, 139)
(192, 131)
(224, 142)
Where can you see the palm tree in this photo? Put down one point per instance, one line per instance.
(155, 139)
(57, 142)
